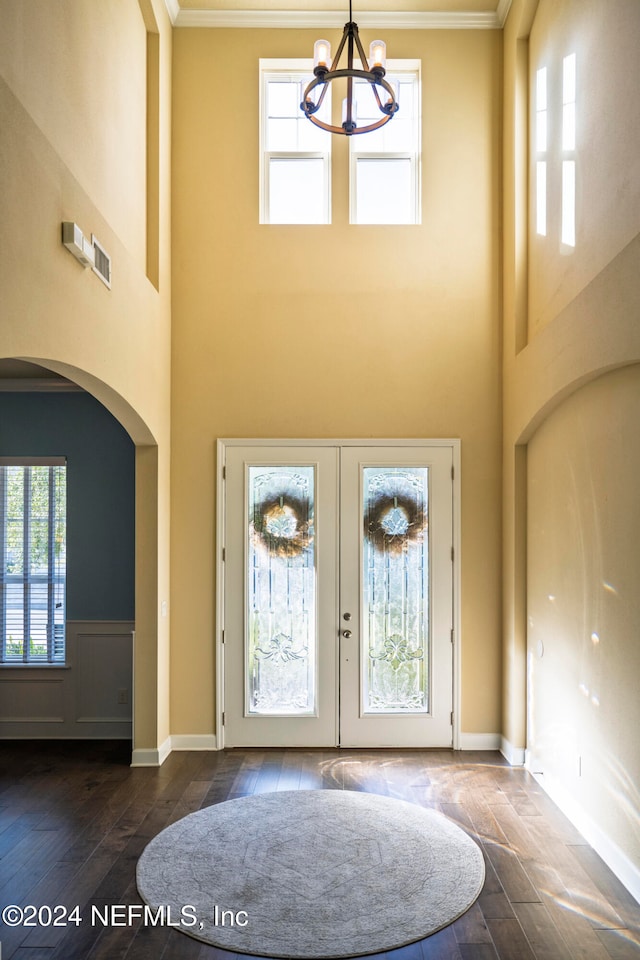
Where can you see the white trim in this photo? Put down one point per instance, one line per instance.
(178, 742)
(335, 19)
(616, 859)
(479, 741)
(221, 536)
(193, 741)
(337, 442)
(456, 613)
(33, 461)
(514, 755)
(502, 12)
(151, 757)
(173, 9)
(455, 444)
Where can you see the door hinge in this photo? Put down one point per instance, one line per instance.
(453, 554)
(224, 473)
(450, 719)
(452, 635)
(453, 471)
(224, 554)
(223, 636)
(223, 718)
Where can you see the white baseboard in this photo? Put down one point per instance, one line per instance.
(156, 757)
(194, 741)
(514, 755)
(152, 757)
(479, 741)
(628, 873)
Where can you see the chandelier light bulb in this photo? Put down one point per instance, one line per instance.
(378, 54)
(321, 54)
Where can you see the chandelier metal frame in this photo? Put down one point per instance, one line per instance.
(324, 75)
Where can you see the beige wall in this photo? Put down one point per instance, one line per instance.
(73, 122)
(605, 37)
(334, 331)
(584, 605)
(570, 320)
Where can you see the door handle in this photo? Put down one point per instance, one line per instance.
(346, 633)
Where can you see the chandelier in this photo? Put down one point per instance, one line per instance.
(324, 74)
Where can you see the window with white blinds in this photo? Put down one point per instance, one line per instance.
(33, 537)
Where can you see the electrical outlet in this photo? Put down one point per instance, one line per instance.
(123, 695)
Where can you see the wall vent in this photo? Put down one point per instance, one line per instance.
(102, 265)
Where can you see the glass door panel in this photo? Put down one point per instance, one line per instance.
(395, 583)
(337, 605)
(281, 590)
(280, 595)
(396, 596)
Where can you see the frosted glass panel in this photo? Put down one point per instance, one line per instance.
(395, 602)
(281, 594)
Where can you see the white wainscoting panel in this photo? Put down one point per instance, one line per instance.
(23, 700)
(87, 698)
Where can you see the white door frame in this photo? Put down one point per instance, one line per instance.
(221, 448)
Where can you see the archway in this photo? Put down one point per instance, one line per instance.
(145, 651)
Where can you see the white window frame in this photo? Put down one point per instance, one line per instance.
(358, 146)
(296, 70)
(55, 626)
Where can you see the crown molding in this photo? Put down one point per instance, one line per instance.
(331, 19)
(173, 9)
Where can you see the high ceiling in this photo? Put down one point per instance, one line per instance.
(410, 14)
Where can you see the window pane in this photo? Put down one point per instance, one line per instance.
(311, 137)
(32, 572)
(283, 98)
(282, 134)
(569, 126)
(541, 131)
(281, 650)
(384, 191)
(569, 203)
(297, 191)
(395, 590)
(541, 89)
(569, 79)
(541, 198)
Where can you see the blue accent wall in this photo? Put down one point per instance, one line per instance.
(100, 493)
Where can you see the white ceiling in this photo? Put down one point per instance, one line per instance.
(390, 14)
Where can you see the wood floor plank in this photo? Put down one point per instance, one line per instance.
(478, 951)
(510, 940)
(74, 818)
(543, 935)
(471, 927)
(608, 884)
(620, 944)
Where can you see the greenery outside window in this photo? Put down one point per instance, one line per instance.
(33, 504)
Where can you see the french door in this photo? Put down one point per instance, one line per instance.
(337, 593)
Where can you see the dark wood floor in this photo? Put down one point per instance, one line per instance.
(74, 817)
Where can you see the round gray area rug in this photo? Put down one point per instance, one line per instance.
(311, 873)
